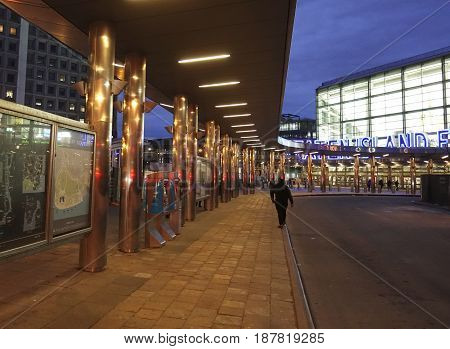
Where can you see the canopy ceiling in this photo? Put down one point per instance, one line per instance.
(255, 33)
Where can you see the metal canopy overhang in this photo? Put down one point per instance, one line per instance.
(257, 35)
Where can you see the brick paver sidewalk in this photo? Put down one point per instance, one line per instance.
(227, 270)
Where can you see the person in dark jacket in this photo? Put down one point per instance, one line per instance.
(280, 195)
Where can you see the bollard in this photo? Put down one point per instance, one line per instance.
(153, 202)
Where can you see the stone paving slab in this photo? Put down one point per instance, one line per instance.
(227, 269)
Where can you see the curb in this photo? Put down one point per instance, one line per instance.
(430, 205)
(356, 194)
(301, 306)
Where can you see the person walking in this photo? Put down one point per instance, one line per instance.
(380, 185)
(281, 195)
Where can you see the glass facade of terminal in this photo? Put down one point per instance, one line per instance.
(409, 99)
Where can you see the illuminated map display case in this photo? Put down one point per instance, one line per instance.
(46, 169)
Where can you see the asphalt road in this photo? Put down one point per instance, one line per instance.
(373, 262)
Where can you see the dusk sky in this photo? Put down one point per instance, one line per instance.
(334, 38)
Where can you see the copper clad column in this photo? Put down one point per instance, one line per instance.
(245, 171)
(372, 174)
(282, 165)
(230, 168)
(209, 154)
(323, 173)
(237, 154)
(223, 188)
(191, 161)
(252, 159)
(233, 170)
(99, 116)
(180, 117)
(272, 166)
(356, 174)
(217, 171)
(132, 149)
(412, 172)
(310, 174)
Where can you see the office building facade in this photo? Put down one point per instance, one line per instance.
(294, 127)
(37, 70)
(389, 104)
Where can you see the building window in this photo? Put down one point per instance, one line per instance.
(11, 62)
(12, 46)
(74, 67)
(30, 58)
(40, 60)
(52, 76)
(63, 65)
(62, 105)
(54, 49)
(14, 17)
(39, 74)
(82, 108)
(64, 51)
(1, 28)
(10, 94)
(50, 104)
(10, 78)
(28, 100)
(73, 79)
(84, 68)
(29, 85)
(62, 78)
(62, 92)
(42, 46)
(32, 30)
(51, 90)
(52, 62)
(72, 93)
(38, 102)
(32, 44)
(13, 31)
(72, 106)
(39, 88)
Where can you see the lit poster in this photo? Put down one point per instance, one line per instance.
(24, 159)
(72, 181)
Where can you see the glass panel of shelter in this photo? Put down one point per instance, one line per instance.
(24, 162)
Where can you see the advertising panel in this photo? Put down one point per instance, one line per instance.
(72, 181)
(24, 160)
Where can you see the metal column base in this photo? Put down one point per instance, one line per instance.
(167, 230)
(174, 222)
(153, 239)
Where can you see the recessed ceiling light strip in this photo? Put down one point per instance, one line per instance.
(203, 59)
(235, 115)
(218, 84)
(231, 105)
